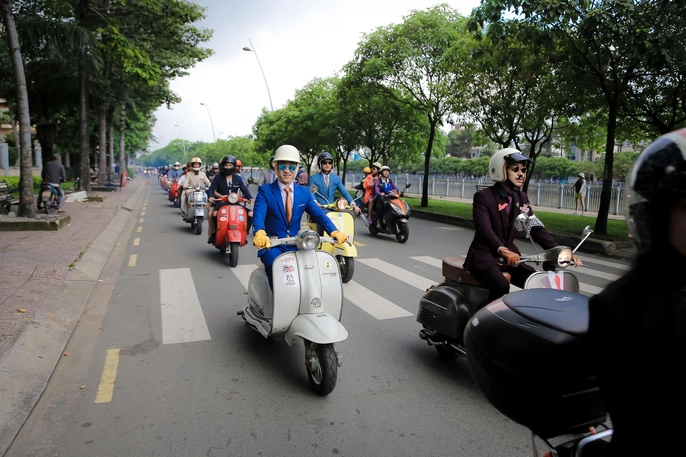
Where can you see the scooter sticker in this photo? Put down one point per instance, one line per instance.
(316, 302)
(288, 268)
(289, 280)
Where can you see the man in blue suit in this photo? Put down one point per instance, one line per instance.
(274, 201)
(327, 183)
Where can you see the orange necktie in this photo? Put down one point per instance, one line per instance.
(289, 205)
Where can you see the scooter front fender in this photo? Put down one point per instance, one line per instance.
(345, 249)
(319, 328)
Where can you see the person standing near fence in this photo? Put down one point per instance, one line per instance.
(580, 194)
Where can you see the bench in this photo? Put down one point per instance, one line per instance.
(6, 197)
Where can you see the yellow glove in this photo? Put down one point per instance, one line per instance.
(261, 240)
(340, 237)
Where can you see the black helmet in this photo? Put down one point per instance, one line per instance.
(323, 156)
(657, 179)
(224, 161)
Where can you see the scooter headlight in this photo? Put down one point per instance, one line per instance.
(309, 239)
(233, 198)
(341, 204)
(564, 257)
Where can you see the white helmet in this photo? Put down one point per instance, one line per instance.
(498, 162)
(196, 163)
(287, 153)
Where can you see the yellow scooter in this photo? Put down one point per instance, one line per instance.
(343, 217)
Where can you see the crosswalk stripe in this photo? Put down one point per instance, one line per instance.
(182, 317)
(433, 261)
(372, 303)
(398, 273)
(243, 272)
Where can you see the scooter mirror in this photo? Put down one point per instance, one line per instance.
(314, 189)
(407, 186)
(521, 222)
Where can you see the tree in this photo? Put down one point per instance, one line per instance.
(603, 45)
(425, 60)
(26, 200)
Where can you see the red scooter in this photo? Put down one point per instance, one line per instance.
(233, 223)
(174, 195)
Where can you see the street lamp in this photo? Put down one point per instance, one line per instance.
(183, 142)
(211, 124)
(251, 48)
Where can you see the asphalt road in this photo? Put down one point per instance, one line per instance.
(231, 392)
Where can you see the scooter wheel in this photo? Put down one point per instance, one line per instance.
(402, 233)
(347, 267)
(322, 367)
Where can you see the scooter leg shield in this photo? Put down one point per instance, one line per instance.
(318, 328)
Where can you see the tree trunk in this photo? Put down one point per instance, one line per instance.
(102, 148)
(26, 198)
(122, 127)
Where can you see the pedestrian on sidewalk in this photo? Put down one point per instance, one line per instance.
(580, 194)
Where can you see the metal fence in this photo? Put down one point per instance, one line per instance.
(540, 194)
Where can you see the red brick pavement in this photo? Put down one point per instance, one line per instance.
(33, 264)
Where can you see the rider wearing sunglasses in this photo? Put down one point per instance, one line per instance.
(495, 208)
(275, 200)
(328, 183)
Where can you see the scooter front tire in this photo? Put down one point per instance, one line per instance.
(402, 232)
(233, 255)
(347, 267)
(198, 225)
(322, 367)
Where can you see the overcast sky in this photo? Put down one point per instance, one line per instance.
(296, 41)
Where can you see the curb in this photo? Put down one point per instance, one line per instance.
(27, 366)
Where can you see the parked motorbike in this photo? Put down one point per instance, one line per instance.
(446, 308)
(196, 207)
(77, 182)
(232, 226)
(342, 216)
(306, 302)
(48, 198)
(393, 217)
(174, 195)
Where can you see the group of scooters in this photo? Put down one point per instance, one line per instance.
(526, 350)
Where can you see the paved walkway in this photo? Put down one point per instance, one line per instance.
(46, 279)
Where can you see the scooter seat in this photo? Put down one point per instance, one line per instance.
(453, 269)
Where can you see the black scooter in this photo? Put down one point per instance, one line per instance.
(393, 216)
(526, 351)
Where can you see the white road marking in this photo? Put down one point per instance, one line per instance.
(372, 303)
(243, 272)
(398, 273)
(182, 317)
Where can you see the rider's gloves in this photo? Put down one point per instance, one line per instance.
(511, 258)
(261, 240)
(340, 237)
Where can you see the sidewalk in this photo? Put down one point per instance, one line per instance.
(47, 279)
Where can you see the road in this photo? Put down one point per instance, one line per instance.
(135, 382)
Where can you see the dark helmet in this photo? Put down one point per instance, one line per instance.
(225, 160)
(656, 181)
(323, 156)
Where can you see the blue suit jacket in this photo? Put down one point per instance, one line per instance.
(269, 213)
(329, 192)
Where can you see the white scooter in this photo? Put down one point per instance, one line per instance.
(306, 302)
(196, 208)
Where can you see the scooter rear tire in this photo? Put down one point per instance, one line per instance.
(198, 225)
(322, 367)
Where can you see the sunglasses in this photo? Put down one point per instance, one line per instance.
(283, 167)
(327, 162)
(215, 168)
(516, 169)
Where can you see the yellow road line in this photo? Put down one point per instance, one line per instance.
(136, 241)
(132, 260)
(139, 229)
(109, 375)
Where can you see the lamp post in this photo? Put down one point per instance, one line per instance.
(251, 48)
(214, 138)
(183, 142)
